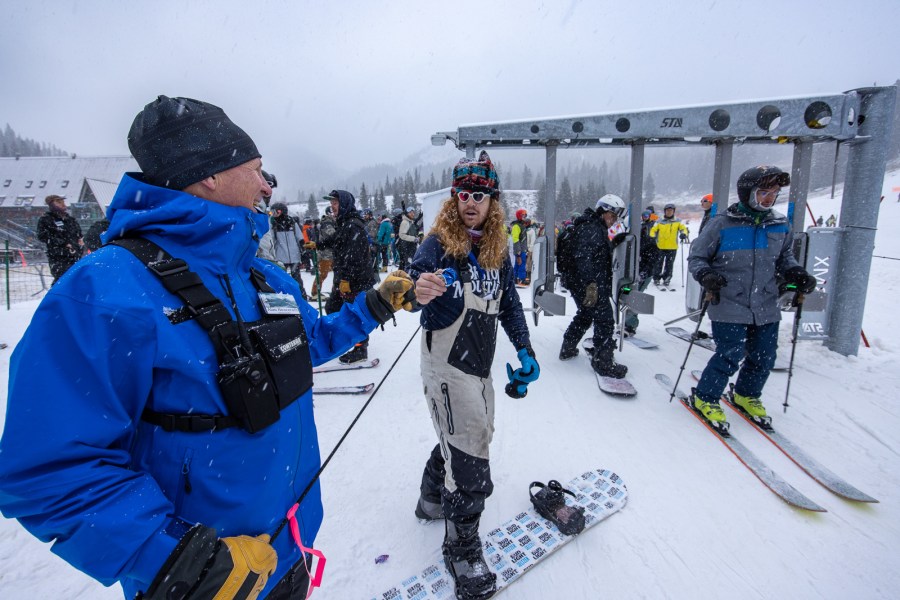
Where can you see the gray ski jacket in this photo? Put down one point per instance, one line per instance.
(749, 254)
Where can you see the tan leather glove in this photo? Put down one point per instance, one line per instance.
(232, 568)
(590, 295)
(310, 245)
(394, 288)
(344, 286)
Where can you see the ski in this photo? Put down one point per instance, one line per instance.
(811, 466)
(348, 390)
(365, 364)
(767, 476)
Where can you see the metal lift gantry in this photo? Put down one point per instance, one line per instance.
(860, 119)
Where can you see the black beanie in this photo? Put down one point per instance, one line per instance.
(180, 141)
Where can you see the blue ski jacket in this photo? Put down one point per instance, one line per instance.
(78, 466)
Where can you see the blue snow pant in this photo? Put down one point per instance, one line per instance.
(519, 269)
(756, 345)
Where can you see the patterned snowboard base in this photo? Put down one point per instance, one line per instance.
(521, 542)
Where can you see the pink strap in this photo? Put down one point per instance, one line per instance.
(314, 580)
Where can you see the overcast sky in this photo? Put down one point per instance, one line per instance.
(362, 82)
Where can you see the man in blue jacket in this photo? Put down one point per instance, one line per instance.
(736, 259)
(171, 387)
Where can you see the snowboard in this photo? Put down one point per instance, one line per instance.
(363, 364)
(710, 344)
(518, 544)
(642, 344)
(609, 385)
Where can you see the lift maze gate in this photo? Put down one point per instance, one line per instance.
(860, 119)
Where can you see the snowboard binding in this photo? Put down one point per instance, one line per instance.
(550, 503)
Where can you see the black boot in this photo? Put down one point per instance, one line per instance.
(465, 561)
(427, 511)
(604, 364)
(568, 352)
(359, 353)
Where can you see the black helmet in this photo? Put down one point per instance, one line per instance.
(270, 179)
(668, 206)
(757, 176)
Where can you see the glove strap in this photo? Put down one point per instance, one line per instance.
(314, 580)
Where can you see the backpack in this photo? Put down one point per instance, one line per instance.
(565, 253)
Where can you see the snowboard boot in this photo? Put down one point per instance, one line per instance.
(752, 406)
(359, 353)
(427, 511)
(568, 352)
(711, 411)
(606, 366)
(667, 282)
(465, 561)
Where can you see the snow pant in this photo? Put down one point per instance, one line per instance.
(383, 256)
(756, 345)
(294, 585)
(407, 250)
(324, 270)
(601, 317)
(455, 364)
(521, 260)
(58, 266)
(647, 268)
(294, 270)
(664, 264)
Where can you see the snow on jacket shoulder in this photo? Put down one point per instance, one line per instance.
(749, 255)
(109, 489)
(444, 310)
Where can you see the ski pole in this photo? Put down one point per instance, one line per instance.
(682, 264)
(315, 477)
(798, 302)
(707, 299)
(693, 313)
(318, 281)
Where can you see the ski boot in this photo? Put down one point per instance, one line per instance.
(429, 512)
(360, 352)
(712, 413)
(465, 561)
(751, 407)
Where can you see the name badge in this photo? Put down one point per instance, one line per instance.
(278, 303)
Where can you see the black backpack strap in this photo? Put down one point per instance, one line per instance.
(200, 304)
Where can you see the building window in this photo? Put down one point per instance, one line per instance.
(43, 184)
(65, 183)
(28, 183)
(7, 182)
(28, 201)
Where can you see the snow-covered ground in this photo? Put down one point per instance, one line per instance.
(697, 524)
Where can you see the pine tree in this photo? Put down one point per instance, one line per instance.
(363, 197)
(565, 200)
(527, 178)
(312, 209)
(649, 188)
(380, 205)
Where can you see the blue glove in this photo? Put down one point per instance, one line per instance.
(520, 378)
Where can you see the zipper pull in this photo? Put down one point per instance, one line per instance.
(186, 470)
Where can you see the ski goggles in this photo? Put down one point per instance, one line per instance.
(476, 197)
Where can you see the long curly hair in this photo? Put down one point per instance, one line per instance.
(454, 237)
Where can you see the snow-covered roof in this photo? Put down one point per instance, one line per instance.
(26, 181)
(103, 191)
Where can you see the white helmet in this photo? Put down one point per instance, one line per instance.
(611, 203)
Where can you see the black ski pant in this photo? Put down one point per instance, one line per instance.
(294, 585)
(472, 476)
(664, 264)
(601, 317)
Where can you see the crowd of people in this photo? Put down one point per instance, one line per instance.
(198, 342)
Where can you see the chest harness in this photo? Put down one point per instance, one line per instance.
(264, 365)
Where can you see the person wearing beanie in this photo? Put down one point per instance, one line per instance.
(408, 237)
(267, 242)
(353, 274)
(175, 412)
(519, 245)
(62, 234)
(709, 210)
(383, 239)
(739, 259)
(324, 244)
(459, 322)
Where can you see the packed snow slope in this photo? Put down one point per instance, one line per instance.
(698, 524)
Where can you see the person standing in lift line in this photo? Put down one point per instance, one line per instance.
(459, 325)
(176, 426)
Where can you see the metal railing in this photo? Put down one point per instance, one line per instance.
(26, 274)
